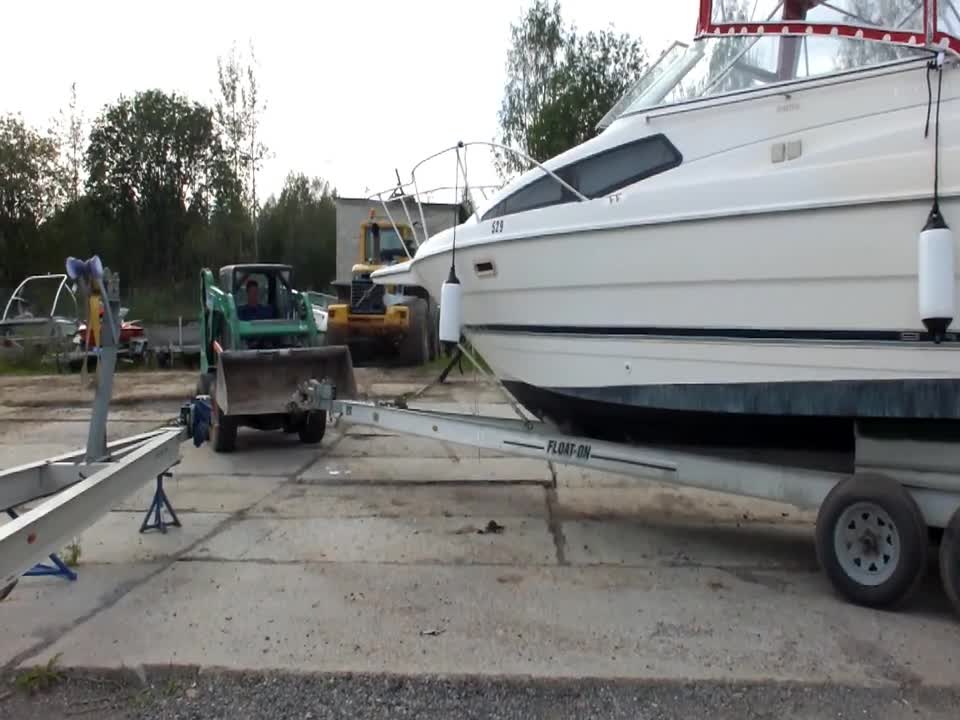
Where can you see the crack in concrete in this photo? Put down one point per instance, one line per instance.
(555, 525)
(341, 481)
(118, 593)
(111, 600)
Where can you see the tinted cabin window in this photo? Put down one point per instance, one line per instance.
(611, 170)
(594, 176)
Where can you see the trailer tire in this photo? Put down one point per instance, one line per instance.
(314, 427)
(872, 541)
(950, 560)
(415, 346)
(223, 430)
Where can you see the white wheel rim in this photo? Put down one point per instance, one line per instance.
(866, 543)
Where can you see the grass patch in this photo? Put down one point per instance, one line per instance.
(25, 362)
(163, 305)
(71, 554)
(42, 677)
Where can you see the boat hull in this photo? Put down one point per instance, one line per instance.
(694, 318)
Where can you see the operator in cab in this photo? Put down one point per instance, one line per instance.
(252, 309)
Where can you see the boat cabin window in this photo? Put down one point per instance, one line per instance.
(614, 169)
(594, 176)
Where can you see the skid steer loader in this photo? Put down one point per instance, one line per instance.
(260, 346)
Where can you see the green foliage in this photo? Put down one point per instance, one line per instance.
(42, 677)
(159, 177)
(72, 553)
(560, 83)
(237, 113)
(299, 227)
(29, 193)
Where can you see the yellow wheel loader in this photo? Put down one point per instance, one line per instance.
(384, 322)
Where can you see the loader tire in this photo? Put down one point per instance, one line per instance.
(205, 383)
(223, 430)
(314, 427)
(415, 347)
(433, 319)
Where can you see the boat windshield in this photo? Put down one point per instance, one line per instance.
(737, 57)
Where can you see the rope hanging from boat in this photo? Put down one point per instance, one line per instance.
(935, 64)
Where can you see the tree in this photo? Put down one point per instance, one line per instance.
(29, 192)
(70, 131)
(156, 169)
(299, 227)
(596, 70)
(237, 111)
(559, 84)
(535, 45)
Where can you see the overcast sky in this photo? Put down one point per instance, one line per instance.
(354, 89)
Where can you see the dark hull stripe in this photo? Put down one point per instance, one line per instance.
(797, 416)
(898, 336)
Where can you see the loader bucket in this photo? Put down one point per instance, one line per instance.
(260, 382)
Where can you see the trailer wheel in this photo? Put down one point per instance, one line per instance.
(314, 427)
(223, 430)
(872, 541)
(950, 560)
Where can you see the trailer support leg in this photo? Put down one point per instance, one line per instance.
(58, 569)
(160, 503)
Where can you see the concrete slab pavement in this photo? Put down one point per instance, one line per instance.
(425, 470)
(350, 501)
(639, 543)
(115, 538)
(269, 454)
(206, 493)
(524, 541)
(41, 609)
(679, 623)
(645, 501)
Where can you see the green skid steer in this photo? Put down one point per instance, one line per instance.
(260, 347)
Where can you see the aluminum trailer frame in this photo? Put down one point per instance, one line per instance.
(76, 488)
(81, 493)
(873, 524)
(801, 487)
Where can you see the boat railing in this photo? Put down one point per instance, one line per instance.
(17, 295)
(402, 190)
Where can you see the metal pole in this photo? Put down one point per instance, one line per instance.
(106, 364)
(394, 225)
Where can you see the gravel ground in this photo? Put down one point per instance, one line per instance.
(184, 694)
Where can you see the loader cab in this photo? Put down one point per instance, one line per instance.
(274, 291)
(383, 244)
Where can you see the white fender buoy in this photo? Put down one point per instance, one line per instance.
(936, 280)
(451, 308)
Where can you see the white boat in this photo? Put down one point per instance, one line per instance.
(733, 259)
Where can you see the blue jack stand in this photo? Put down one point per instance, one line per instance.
(58, 569)
(155, 511)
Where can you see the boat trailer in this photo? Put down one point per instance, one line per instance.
(874, 524)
